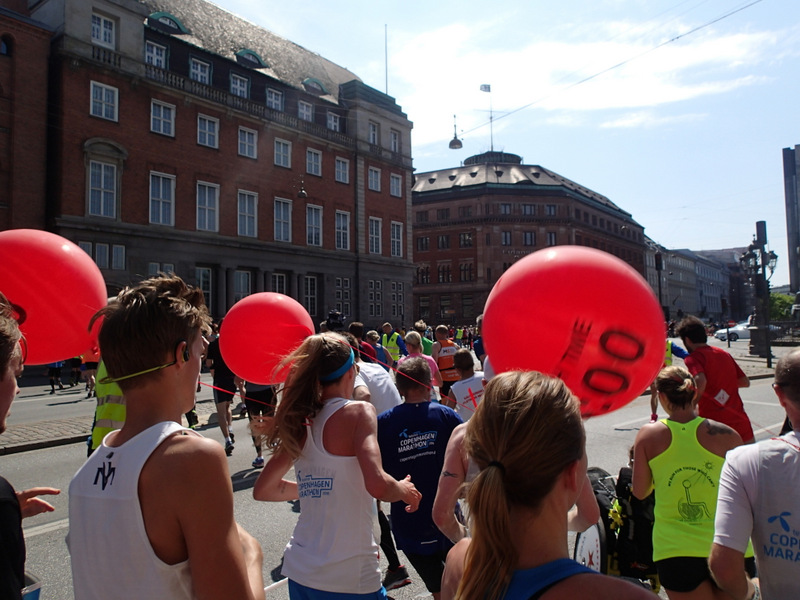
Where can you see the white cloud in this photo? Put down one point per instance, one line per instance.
(649, 119)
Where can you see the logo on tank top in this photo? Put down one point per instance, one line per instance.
(314, 487)
(105, 475)
(416, 441)
(784, 544)
(722, 397)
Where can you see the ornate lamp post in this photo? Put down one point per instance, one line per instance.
(755, 264)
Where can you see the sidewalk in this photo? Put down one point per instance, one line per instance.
(46, 434)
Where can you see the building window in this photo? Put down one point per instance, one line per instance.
(505, 208)
(333, 122)
(118, 257)
(528, 210)
(207, 207)
(274, 99)
(396, 185)
(155, 55)
(396, 239)
(464, 211)
(103, 31)
(423, 244)
(465, 240)
(444, 275)
(102, 190)
(577, 214)
(422, 216)
(203, 276)
(373, 133)
(550, 210)
(154, 268)
(374, 235)
(162, 194)
(465, 272)
(528, 238)
(505, 238)
(313, 225)
(199, 71)
(342, 170)
(279, 283)
(442, 214)
(305, 111)
(242, 286)
(248, 207)
(551, 238)
(86, 247)
(394, 140)
(283, 153)
(248, 142)
(374, 179)
(240, 86)
(101, 255)
(342, 230)
(162, 118)
(310, 294)
(314, 162)
(207, 131)
(104, 101)
(443, 242)
(283, 220)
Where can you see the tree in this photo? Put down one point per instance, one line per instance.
(780, 307)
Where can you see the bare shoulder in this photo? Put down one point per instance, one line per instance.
(718, 437)
(188, 458)
(653, 439)
(599, 587)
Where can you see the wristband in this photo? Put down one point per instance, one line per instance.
(756, 592)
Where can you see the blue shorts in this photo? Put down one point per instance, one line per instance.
(301, 592)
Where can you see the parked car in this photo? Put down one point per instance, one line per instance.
(740, 331)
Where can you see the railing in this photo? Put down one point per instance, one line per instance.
(106, 56)
(261, 111)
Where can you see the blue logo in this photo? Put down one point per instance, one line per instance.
(314, 487)
(780, 518)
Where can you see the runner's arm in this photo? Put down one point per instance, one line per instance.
(586, 511)
(450, 488)
(270, 485)
(642, 479)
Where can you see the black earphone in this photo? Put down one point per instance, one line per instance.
(186, 355)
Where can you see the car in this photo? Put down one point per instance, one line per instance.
(740, 331)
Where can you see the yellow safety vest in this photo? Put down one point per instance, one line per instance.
(111, 411)
(668, 355)
(390, 345)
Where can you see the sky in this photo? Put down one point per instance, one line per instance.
(676, 110)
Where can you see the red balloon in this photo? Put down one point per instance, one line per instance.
(582, 315)
(55, 288)
(259, 331)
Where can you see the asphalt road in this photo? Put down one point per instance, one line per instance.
(608, 440)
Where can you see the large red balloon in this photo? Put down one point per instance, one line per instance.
(259, 331)
(582, 315)
(55, 288)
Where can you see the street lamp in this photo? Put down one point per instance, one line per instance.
(755, 264)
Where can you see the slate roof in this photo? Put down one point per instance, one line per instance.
(496, 168)
(221, 32)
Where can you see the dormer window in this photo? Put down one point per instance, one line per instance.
(249, 58)
(167, 22)
(314, 86)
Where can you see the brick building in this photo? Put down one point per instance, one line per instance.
(24, 50)
(184, 138)
(471, 223)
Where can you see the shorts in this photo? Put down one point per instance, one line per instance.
(301, 592)
(261, 403)
(224, 391)
(685, 573)
(429, 567)
(91, 366)
(75, 363)
(53, 371)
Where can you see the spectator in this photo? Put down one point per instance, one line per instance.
(14, 506)
(759, 496)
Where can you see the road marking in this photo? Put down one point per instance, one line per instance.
(641, 420)
(30, 532)
(775, 404)
(772, 430)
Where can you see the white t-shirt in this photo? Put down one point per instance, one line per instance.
(382, 391)
(468, 393)
(759, 496)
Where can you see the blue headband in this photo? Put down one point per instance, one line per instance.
(340, 371)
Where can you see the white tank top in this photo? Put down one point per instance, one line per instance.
(111, 554)
(332, 548)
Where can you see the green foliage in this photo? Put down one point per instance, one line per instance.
(780, 307)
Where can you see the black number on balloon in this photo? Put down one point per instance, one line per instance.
(621, 345)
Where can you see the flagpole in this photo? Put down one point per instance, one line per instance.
(487, 87)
